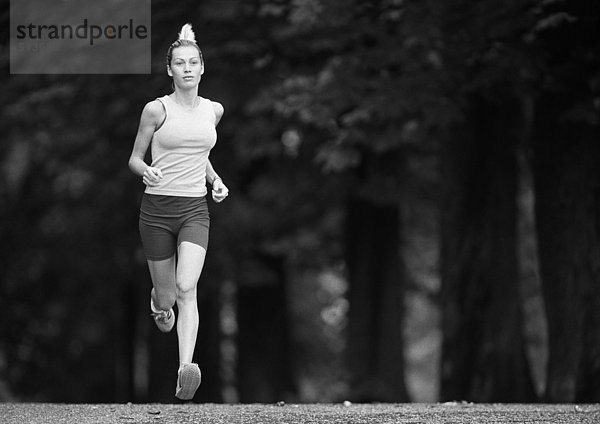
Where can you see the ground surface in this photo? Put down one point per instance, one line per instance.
(448, 413)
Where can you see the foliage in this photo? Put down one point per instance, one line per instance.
(323, 99)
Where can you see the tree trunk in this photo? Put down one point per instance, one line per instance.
(483, 352)
(567, 181)
(566, 143)
(375, 338)
(264, 368)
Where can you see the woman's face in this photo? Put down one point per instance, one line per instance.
(186, 67)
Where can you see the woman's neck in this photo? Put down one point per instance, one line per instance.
(187, 98)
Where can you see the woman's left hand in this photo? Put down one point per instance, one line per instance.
(219, 190)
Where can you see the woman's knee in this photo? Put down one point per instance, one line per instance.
(186, 289)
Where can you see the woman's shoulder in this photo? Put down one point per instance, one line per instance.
(217, 108)
(216, 105)
(154, 112)
(155, 107)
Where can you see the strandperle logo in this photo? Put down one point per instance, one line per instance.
(85, 31)
(80, 37)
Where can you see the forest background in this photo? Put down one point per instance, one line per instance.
(414, 209)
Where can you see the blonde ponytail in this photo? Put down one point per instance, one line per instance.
(187, 33)
(186, 37)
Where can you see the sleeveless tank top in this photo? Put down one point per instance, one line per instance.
(180, 148)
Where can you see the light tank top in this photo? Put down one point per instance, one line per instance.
(181, 146)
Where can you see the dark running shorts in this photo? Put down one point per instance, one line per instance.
(166, 221)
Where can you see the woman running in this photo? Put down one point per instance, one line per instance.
(174, 218)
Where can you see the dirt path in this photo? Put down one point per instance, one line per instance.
(450, 413)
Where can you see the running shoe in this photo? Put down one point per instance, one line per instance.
(188, 381)
(165, 320)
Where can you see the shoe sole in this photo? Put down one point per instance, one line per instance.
(166, 327)
(189, 381)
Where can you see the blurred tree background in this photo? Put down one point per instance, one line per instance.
(414, 211)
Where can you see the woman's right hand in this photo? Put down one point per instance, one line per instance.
(152, 176)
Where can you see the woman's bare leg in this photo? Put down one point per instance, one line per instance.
(163, 274)
(189, 267)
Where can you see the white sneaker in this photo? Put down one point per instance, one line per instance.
(165, 320)
(188, 381)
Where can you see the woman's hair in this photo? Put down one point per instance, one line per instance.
(186, 38)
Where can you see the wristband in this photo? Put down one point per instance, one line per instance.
(213, 181)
